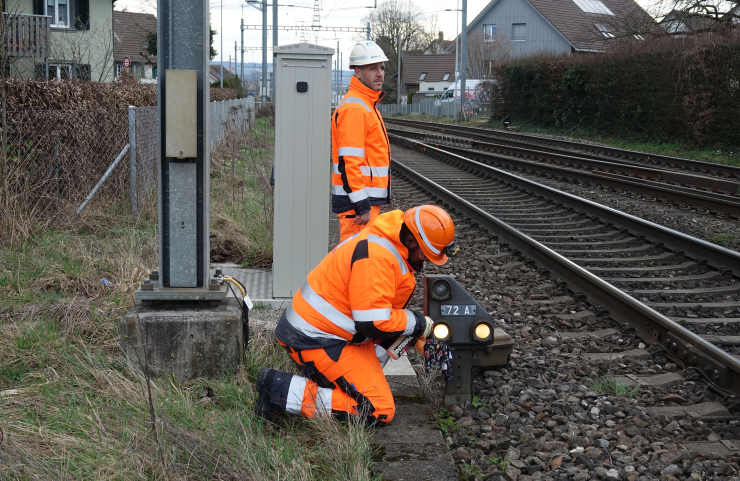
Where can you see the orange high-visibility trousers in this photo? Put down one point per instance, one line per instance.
(354, 383)
(347, 226)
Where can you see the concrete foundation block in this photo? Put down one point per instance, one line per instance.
(188, 341)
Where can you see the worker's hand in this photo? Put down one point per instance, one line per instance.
(363, 219)
(427, 328)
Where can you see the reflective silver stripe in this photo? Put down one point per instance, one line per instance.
(366, 170)
(410, 322)
(421, 232)
(354, 100)
(302, 326)
(379, 192)
(323, 401)
(382, 354)
(327, 310)
(385, 243)
(375, 171)
(356, 197)
(294, 400)
(353, 151)
(371, 315)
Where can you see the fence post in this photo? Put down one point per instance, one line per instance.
(132, 155)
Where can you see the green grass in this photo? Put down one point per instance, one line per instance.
(609, 385)
(723, 239)
(445, 422)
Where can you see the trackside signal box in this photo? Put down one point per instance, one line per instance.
(302, 163)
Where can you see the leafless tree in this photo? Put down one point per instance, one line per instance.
(87, 47)
(484, 54)
(395, 17)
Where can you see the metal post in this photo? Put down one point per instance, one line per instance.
(264, 52)
(242, 68)
(336, 76)
(341, 74)
(221, 53)
(398, 74)
(132, 155)
(274, 44)
(463, 57)
(368, 30)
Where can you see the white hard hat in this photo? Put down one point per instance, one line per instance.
(365, 53)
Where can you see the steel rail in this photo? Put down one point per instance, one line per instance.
(595, 151)
(731, 187)
(687, 348)
(714, 202)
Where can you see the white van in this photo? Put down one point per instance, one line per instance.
(453, 91)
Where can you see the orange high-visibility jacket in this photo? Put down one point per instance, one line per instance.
(361, 154)
(359, 291)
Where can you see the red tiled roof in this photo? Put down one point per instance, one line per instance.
(435, 66)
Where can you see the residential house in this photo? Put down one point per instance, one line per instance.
(438, 45)
(60, 39)
(426, 75)
(214, 73)
(557, 27)
(132, 33)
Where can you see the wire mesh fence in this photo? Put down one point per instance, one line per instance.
(55, 158)
(436, 107)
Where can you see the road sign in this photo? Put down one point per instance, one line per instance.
(126, 62)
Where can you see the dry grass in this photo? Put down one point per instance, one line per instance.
(71, 407)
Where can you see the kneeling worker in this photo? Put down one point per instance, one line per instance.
(361, 155)
(349, 311)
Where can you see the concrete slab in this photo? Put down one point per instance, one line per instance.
(632, 353)
(600, 333)
(401, 377)
(187, 341)
(661, 381)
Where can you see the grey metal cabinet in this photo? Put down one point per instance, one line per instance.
(302, 158)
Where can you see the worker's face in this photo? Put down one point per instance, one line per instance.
(416, 256)
(371, 76)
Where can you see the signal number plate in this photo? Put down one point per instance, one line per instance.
(457, 310)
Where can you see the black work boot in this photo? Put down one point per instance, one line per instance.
(264, 407)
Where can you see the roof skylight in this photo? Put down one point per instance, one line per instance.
(593, 6)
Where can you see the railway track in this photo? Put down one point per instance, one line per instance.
(587, 151)
(672, 290)
(651, 183)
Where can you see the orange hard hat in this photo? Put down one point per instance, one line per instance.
(433, 229)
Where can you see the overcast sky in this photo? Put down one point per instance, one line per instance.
(334, 13)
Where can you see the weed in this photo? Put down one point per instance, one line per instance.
(723, 239)
(477, 403)
(470, 471)
(445, 422)
(610, 385)
(502, 463)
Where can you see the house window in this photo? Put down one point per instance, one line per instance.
(422, 76)
(604, 31)
(446, 77)
(430, 88)
(60, 71)
(518, 32)
(119, 66)
(489, 32)
(58, 10)
(154, 72)
(593, 6)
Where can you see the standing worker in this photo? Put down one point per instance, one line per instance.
(349, 311)
(361, 154)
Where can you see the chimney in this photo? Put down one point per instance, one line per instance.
(441, 36)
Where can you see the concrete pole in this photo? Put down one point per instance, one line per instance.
(274, 43)
(221, 53)
(398, 74)
(336, 77)
(235, 57)
(242, 67)
(368, 30)
(264, 52)
(341, 74)
(463, 56)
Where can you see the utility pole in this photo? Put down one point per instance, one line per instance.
(264, 52)
(336, 76)
(341, 74)
(221, 53)
(235, 50)
(242, 67)
(274, 43)
(463, 56)
(368, 30)
(398, 74)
